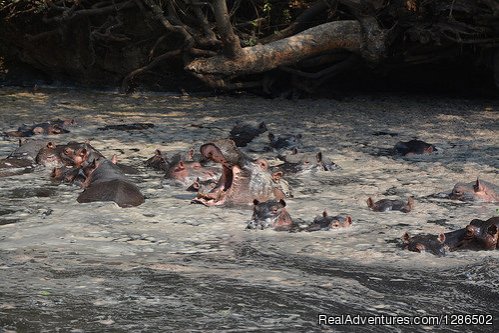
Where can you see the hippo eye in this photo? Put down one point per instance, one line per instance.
(67, 151)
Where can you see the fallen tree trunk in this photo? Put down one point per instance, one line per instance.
(345, 35)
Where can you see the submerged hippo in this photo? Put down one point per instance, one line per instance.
(287, 141)
(385, 205)
(244, 132)
(326, 222)
(297, 162)
(105, 182)
(127, 127)
(480, 190)
(181, 170)
(70, 154)
(243, 179)
(478, 235)
(414, 147)
(430, 243)
(482, 235)
(159, 161)
(270, 214)
(48, 128)
(22, 158)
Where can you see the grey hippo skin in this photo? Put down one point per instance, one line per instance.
(105, 182)
(385, 205)
(270, 214)
(478, 235)
(480, 190)
(244, 132)
(243, 179)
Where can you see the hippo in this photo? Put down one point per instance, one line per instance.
(187, 172)
(21, 160)
(68, 174)
(105, 182)
(385, 205)
(479, 190)
(326, 222)
(414, 147)
(244, 132)
(430, 243)
(158, 162)
(48, 128)
(127, 127)
(270, 214)
(478, 235)
(298, 162)
(287, 141)
(73, 153)
(482, 235)
(243, 179)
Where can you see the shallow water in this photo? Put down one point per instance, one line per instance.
(168, 265)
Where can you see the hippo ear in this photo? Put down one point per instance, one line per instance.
(294, 151)
(263, 164)
(441, 238)
(428, 150)
(271, 137)
(324, 213)
(478, 186)
(180, 166)
(492, 230)
(262, 126)
(50, 145)
(282, 202)
(319, 157)
(157, 152)
(348, 220)
(370, 202)
(406, 238)
(114, 159)
(410, 202)
(190, 154)
(256, 202)
(277, 175)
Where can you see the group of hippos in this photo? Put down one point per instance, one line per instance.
(223, 175)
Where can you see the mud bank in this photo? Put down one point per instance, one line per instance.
(168, 265)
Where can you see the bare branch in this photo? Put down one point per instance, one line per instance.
(230, 40)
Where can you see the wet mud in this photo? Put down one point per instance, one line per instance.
(168, 265)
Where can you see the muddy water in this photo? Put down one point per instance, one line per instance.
(168, 265)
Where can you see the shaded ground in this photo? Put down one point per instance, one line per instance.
(171, 266)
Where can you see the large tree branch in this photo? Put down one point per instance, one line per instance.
(345, 35)
(230, 40)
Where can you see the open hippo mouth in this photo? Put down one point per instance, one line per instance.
(242, 179)
(226, 153)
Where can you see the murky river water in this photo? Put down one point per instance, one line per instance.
(168, 265)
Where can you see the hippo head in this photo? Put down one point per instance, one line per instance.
(484, 234)
(475, 191)
(189, 172)
(425, 243)
(242, 179)
(159, 161)
(327, 222)
(49, 156)
(271, 213)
